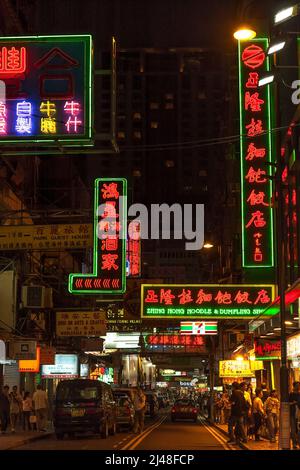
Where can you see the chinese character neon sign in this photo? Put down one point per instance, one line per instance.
(48, 81)
(205, 300)
(256, 153)
(110, 228)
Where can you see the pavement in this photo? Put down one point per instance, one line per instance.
(264, 444)
(20, 438)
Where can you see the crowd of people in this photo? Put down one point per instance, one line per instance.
(250, 414)
(23, 411)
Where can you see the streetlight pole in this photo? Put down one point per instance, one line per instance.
(284, 431)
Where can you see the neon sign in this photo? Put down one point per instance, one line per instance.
(256, 152)
(133, 256)
(109, 256)
(205, 300)
(48, 84)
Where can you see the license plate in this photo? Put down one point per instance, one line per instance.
(76, 413)
(183, 410)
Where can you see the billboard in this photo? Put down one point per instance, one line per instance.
(205, 300)
(45, 237)
(80, 323)
(31, 365)
(239, 368)
(267, 349)
(109, 243)
(65, 367)
(48, 84)
(256, 153)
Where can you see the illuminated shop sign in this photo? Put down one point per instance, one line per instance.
(109, 252)
(205, 300)
(31, 365)
(65, 367)
(48, 83)
(239, 368)
(198, 328)
(293, 347)
(256, 152)
(175, 343)
(133, 251)
(267, 349)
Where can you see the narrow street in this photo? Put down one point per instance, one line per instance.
(160, 434)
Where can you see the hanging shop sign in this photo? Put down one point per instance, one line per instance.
(120, 319)
(198, 328)
(133, 251)
(293, 347)
(109, 249)
(205, 300)
(175, 343)
(47, 355)
(65, 367)
(46, 237)
(48, 83)
(267, 349)
(22, 350)
(239, 368)
(31, 365)
(256, 155)
(80, 323)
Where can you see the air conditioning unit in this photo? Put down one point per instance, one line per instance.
(37, 297)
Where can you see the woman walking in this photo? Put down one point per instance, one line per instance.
(258, 412)
(27, 409)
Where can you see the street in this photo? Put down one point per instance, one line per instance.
(160, 434)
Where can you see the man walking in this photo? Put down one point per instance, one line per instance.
(4, 408)
(237, 416)
(40, 405)
(139, 410)
(15, 407)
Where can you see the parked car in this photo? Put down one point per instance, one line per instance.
(125, 412)
(120, 391)
(152, 405)
(184, 409)
(84, 405)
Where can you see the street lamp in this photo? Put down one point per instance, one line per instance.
(208, 245)
(244, 34)
(276, 46)
(286, 14)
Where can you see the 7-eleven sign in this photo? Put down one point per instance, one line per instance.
(198, 328)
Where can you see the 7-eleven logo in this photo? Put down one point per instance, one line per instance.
(198, 328)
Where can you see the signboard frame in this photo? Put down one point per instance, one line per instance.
(59, 139)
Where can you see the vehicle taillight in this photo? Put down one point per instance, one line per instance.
(195, 410)
(173, 409)
(127, 410)
(91, 411)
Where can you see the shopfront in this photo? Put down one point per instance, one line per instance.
(293, 355)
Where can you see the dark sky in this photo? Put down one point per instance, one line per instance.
(152, 23)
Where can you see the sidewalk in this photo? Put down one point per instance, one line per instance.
(264, 444)
(10, 441)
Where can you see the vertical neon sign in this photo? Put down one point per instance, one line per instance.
(109, 256)
(256, 153)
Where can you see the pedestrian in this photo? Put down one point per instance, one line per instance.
(15, 407)
(27, 409)
(272, 406)
(258, 412)
(247, 420)
(265, 392)
(40, 405)
(226, 407)
(294, 400)
(238, 412)
(4, 408)
(219, 407)
(139, 410)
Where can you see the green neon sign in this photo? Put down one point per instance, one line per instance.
(48, 90)
(256, 153)
(202, 301)
(109, 244)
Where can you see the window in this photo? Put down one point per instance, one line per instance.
(154, 125)
(154, 105)
(121, 135)
(170, 163)
(137, 134)
(137, 116)
(169, 106)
